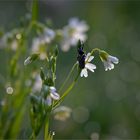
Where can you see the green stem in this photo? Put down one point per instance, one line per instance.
(54, 71)
(34, 10)
(95, 49)
(68, 77)
(68, 90)
(46, 128)
(33, 136)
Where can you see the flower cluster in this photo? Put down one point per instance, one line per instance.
(85, 59)
(43, 45)
(69, 36)
(74, 31)
(39, 43)
(66, 37)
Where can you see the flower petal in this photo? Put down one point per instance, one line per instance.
(65, 46)
(55, 95)
(53, 89)
(111, 66)
(108, 65)
(113, 59)
(90, 58)
(90, 66)
(84, 73)
(87, 56)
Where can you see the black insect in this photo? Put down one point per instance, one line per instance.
(81, 55)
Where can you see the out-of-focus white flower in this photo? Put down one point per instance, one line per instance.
(4, 40)
(46, 38)
(37, 83)
(73, 32)
(88, 66)
(14, 45)
(108, 60)
(62, 113)
(95, 136)
(9, 90)
(10, 40)
(53, 95)
(49, 35)
(35, 44)
(3, 102)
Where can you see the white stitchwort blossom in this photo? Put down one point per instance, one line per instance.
(46, 38)
(108, 60)
(74, 31)
(88, 66)
(52, 96)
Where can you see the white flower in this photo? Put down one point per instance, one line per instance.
(108, 60)
(49, 35)
(53, 95)
(88, 66)
(9, 90)
(35, 45)
(74, 31)
(10, 40)
(14, 45)
(62, 113)
(37, 83)
(39, 42)
(109, 63)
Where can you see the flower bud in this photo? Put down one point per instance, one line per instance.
(103, 55)
(31, 59)
(42, 75)
(48, 81)
(56, 51)
(53, 62)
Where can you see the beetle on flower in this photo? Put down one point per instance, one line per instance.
(84, 60)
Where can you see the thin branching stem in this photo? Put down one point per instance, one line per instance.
(68, 90)
(95, 49)
(68, 77)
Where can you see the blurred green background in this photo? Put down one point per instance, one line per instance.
(106, 104)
